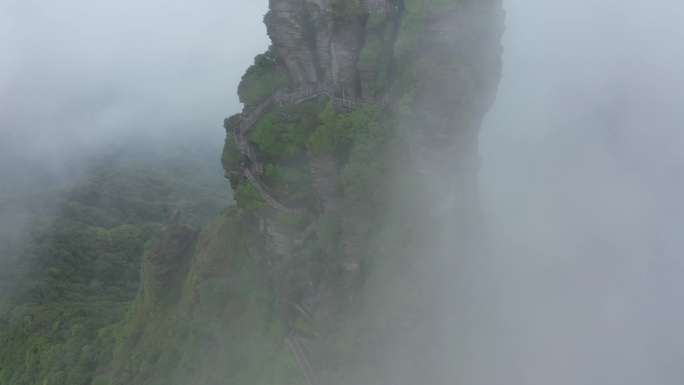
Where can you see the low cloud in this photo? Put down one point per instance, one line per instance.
(581, 157)
(80, 74)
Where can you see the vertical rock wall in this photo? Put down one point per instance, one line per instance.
(314, 49)
(344, 45)
(287, 26)
(442, 115)
(441, 62)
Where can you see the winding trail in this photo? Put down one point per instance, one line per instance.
(286, 95)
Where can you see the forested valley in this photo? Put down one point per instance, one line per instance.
(72, 247)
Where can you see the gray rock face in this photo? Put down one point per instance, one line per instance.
(165, 257)
(279, 238)
(351, 245)
(376, 59)
(446, 113)
(344, 46)
(286, 26)
(324, 174)
(366, 78)
(319, 8)
(312, 51)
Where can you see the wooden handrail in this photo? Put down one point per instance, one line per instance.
(308, 230)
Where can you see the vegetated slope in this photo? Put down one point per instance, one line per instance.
(336, 249)
(389, 190)
(71, 259)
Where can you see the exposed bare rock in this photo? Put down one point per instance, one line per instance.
(286, 26)
(351, 244)
(344, 45)
(174, 219)
(314, 51)
(324, 174)
(374, 64)
(279, 238)
(162, 261)
(443, 116)
(318, 10)
(367, 78)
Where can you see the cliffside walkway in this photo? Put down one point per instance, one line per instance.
(285, 95)
(296, 347)
(268, 198)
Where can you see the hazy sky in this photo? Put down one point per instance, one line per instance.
(81, 73)
(582, 181)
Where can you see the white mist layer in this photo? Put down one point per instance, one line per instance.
(582, 186)
(76, 75)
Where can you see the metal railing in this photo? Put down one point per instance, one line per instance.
(308, 230)
(367, 6)
(351, 267)
(268, 198)
(257, 168)
(297, 350)
(308, 317)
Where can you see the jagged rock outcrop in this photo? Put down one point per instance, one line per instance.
(321, 28)
(449, 109)
(440, 63)
(279, 238)
(286, 25)
(344, 47)
(325, 178)
(163, 260)
(314, 48)
(375, 58)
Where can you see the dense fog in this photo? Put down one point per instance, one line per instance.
(80, 77)
(582, 185)
(86, 85)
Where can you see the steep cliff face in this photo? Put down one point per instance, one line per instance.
(442, 113)
(164, 261)
(287, 25)
(325, 179)
(388, 98)
(353, 165)
(318, 40)
(440, 63)
(345, 260)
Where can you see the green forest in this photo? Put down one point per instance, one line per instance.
(72, 257)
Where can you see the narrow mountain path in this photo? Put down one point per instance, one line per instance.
(286, 95)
